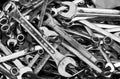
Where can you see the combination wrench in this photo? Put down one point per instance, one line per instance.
(59, 59)
(109, 63)
(75, 11)
(18, 54)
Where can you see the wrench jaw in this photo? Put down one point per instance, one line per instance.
(22, 71)
(72, 10)
(12, 41)
(112, 69)
(63, 64)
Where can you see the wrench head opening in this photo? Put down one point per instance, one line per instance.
(22, 71)
(112, 69)
(13, 41)
(63, 64)
(72, 10)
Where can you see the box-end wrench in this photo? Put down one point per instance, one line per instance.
(78, 11)
(60, 59)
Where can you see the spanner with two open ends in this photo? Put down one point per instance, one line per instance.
(60, 59)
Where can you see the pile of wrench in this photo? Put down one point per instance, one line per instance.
(58, 39)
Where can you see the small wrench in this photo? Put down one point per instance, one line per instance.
(57, 56)
(109, 63)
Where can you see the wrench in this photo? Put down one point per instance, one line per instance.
(36, 57)
(19, 65)
(57, 10)
(5, 69)
(17, 55)
(78, 11)
(42, 14)
(57, 56)
(109, 63)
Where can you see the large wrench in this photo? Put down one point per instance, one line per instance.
(78, 11)
(57, 56)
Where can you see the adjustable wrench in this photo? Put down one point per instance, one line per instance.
(78, 11)
(59, 59)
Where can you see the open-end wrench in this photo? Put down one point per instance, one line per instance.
(57, 10)
(57, 56)
(78, 11)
